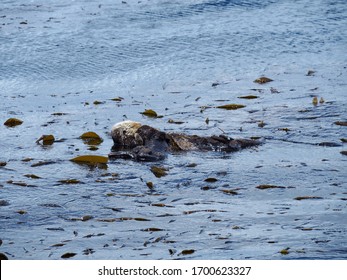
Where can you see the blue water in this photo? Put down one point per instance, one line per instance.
(61, 56)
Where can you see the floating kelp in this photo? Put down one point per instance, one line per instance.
(264, 187)
(46, 139)
(211, 180)
(86, 218)
(97, 102)
(58, 245)
(93, 148)
(90, 159)
(70, 181)
(159, 171)
(11, 122)
(284, 251)
(307, 197)
(117, 99)
(261, 124)
(90, 134)
(284, 129)
(248, 97)
(152, 229)
(231, 106)
(91, 138)
(32, 176)
(68, 255)
(141, 219)
(161, 205)
(197, 211)
(41, 163)
(22, 212)
(59, 114)
(150, 185)
(17, 183)
(206, 188)
(232, 192)
(150, 113)
(315, 101)
(187, 252)
(175, 122)
(2, 163)
(262, 80)
(55, 229)
(93, 235)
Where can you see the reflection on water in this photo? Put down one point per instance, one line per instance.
(69, 68)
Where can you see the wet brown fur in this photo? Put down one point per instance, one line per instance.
(145, 143)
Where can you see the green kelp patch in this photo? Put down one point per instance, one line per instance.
(69, 181)
(262, 80)
(46, 139)
(91, 159)
(117, 99)
(150, 113)
(91, 138)
(231, 106)
(284, 251)
(159, 171)
(11, 122)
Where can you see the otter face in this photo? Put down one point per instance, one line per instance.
(138, 142)
(124, 134)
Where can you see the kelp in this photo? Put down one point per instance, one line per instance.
(262, 80)
(11, 122)
(231, 106)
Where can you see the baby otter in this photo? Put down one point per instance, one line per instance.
(135, 141)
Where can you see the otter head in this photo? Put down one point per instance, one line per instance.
(138, 142)
(124, 134)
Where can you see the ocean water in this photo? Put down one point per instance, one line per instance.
(62, 63)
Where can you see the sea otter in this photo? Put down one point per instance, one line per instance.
(135, 141)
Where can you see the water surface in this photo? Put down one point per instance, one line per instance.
(59, 57)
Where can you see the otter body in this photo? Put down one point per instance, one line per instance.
(145, 143)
